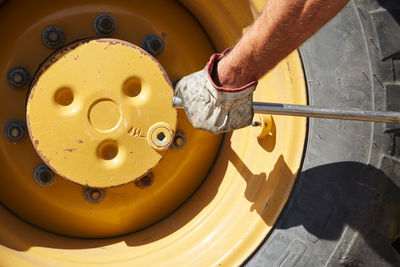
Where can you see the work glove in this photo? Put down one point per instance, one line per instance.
(213, 108)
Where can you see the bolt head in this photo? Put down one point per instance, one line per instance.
(15, 131)
(160, 136)
(179, 141)
(18, 78)
(153, 44)
(145, 181)
(105, 25)
(53, 37)
(44, 176)
(94, 195)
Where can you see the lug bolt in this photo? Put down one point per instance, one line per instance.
(153, 44)
(53, 37)
(179, 140)
(44, 176)
(160, 136)
(18, 78)
(105, 25)
(145, 181)
(94, 195)
(15, 131)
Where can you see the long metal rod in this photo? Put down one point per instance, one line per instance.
(318, 112)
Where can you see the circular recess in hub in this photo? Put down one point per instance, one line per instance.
(107, 150)
(64, 96)
(132, 87)
(104, 114)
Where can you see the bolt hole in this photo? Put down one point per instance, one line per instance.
(132, 87)
(64, 96)
(107, 150)
(161, 136)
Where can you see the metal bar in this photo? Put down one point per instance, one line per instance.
(318, 112)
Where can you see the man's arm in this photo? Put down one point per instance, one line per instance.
(281, 28)
(219, 97)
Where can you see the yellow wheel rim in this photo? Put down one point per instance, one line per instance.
(232, 210)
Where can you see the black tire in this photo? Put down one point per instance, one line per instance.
(345, 207)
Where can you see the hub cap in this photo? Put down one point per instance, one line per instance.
(99, 113)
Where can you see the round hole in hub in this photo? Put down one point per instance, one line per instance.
(107, 150)
(132, 87)
(64, 96)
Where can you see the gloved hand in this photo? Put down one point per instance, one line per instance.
(212, 108)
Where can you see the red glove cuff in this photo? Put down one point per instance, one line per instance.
(211, 67)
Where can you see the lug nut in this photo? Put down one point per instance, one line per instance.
(105, 25)
(15, 131)
(179, 140)
(94, 195)
(44, 176)
(53, 37)
(153, 44)
(145, 181)
(18, 78)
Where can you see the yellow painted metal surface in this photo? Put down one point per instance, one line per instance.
(235, 207)
(91, 108)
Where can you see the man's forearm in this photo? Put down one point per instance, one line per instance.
(281, 28)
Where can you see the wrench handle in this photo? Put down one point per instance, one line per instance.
(317, 112)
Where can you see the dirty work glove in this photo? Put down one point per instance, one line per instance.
(212, 108)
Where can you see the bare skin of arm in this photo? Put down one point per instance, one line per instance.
(281, 28)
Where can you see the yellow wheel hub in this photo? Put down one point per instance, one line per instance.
(99, 113)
